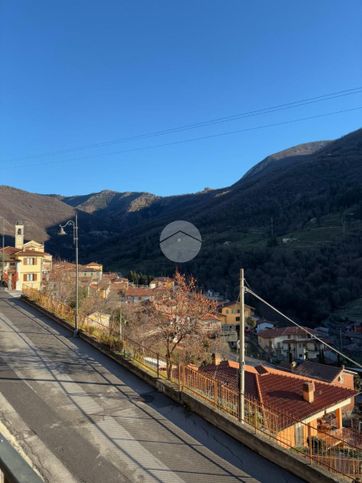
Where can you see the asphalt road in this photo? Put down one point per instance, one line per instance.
(79, 416)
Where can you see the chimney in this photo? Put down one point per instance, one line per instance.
(308, 391)
(216, 358)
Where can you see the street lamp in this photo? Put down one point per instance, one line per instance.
(62, 232)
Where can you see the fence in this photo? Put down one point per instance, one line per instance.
(322, 448)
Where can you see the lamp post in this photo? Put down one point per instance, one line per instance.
(62, 232)
(242, 348)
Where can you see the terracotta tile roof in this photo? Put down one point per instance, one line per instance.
(227, 371)
(232, 304)
(10, 250)
(283, 332)
(280, 390)
(29, 253)
(316, 370)
(67, 266)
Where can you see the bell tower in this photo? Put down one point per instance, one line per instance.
(19, 235)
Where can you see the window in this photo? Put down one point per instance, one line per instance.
(30, 277)
(30, 261)
(237, 319)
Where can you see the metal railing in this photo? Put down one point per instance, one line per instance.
(328, 449)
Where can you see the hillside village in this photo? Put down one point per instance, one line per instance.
(278, 358)
(181, 242)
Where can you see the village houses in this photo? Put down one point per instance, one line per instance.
(26, 265)
(290, 343)
(303, 407)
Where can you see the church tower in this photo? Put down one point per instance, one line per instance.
(19, 235)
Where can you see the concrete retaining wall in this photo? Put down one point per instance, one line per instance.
(255, 441)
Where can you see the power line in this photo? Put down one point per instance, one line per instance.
(201, 124)
(248, 290)
(199, 138)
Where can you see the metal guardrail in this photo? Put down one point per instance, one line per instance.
(13, 468)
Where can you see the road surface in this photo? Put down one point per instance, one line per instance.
(81, 417)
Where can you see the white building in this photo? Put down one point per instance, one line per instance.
(291, 343)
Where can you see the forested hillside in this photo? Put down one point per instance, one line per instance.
(294, 222)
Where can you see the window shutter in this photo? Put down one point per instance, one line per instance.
(24, 277)
(25, 260)
(34, 277)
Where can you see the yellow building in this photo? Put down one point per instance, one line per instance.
(28, 265)
(230, 313)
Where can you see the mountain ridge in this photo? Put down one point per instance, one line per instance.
(242, 225)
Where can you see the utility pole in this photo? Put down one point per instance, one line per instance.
(242, 348)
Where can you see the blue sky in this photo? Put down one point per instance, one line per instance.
(79, 73)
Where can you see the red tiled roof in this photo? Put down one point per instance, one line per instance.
(29, 253)
(317, 370)
(232, 304)
(284, 331)
(10, 250)
(279, 390)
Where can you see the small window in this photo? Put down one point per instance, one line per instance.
(30, 277)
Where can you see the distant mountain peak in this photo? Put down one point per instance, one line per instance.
(286, 156)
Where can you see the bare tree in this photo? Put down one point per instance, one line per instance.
(174, 318)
